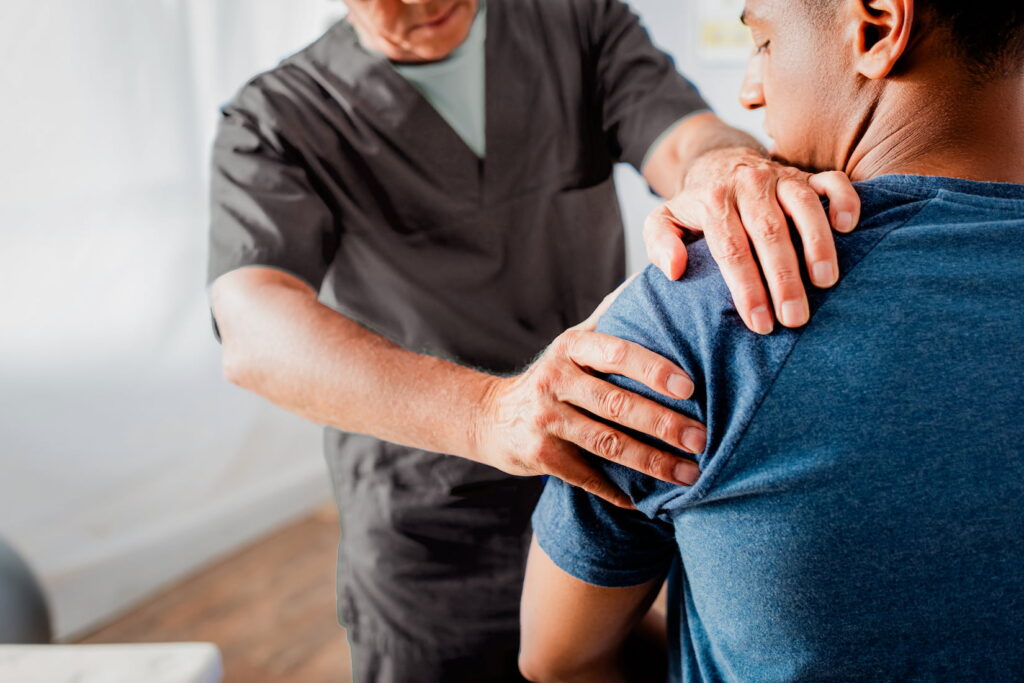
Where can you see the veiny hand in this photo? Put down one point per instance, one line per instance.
(537, 422)
(737, 197)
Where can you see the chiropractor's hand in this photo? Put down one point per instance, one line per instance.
(537, 422)
(737, 198)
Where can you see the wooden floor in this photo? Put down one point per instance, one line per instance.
(270, 609)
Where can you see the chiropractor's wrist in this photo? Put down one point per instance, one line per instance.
(482, 419)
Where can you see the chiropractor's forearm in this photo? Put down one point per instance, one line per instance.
(281, 343)
(669, 164)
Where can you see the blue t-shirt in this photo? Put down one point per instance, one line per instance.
(861, 509)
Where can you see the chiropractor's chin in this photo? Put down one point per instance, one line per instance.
(441, 30)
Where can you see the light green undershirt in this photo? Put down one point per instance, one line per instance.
(456, 86)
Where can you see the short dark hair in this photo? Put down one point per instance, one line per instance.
(988, 34)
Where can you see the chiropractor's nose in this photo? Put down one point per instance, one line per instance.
(752, 89)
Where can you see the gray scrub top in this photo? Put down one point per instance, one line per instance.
(336, 169)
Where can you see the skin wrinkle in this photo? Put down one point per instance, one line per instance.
(928, 113)
(933, 138)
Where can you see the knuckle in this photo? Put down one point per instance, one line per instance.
(729, 250)
(657, 464)
(650, 229)
(785, 275)
(802, 194)
(654, 221)
(543, 379)
(566, 343)
(653, 373)
(817, 243)
(542, 420)
(614, 352)
(770, 229)
(590, 483)
(718, 199)
(608, 444)
(750, 175)
(750, 295)
(542, 454)
(614, 403)
(665, 427)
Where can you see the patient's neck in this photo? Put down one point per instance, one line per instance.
(929, 127)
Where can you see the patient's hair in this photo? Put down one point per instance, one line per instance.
(988, 34)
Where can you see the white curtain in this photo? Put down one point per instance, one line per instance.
(126, 460)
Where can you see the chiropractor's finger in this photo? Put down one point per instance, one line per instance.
(808, 215)
(844, 202)
(730, 247)
(609, 443)
(769, 233)
(569, 465)
(663, 238)
(605, 353)
(636, 412)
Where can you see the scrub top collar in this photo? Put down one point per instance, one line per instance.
(455, 85)
(403, 114)
(400, 111)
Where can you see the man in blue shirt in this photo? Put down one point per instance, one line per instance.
(860, 513)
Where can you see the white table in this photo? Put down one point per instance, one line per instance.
(152, 663)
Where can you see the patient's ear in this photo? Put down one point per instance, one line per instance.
(883, 30)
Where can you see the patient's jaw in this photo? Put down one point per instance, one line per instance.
(870, 87)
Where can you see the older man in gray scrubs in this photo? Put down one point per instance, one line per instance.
(405, 214)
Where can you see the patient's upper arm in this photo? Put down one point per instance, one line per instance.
(570, 626)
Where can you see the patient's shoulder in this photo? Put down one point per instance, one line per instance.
(675, 316)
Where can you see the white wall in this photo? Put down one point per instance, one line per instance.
(674, 26)
(125, 460)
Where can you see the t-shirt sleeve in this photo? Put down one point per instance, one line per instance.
(599, 543)
(264, 209)
(641, 93)
(691, 323)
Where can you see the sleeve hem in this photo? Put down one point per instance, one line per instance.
(574, 565)
(259, 259)
(247, 263)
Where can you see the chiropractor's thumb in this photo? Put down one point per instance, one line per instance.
(663, 238)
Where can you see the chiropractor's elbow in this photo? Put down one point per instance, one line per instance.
(228, 305)
(236, 359)
(534, 670)
(236, 367)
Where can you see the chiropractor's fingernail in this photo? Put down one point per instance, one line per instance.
(686, 474)
(844, 221)
(681, 386)
(695, 440)
(761, 318)
(824, 274)
(794, 313)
